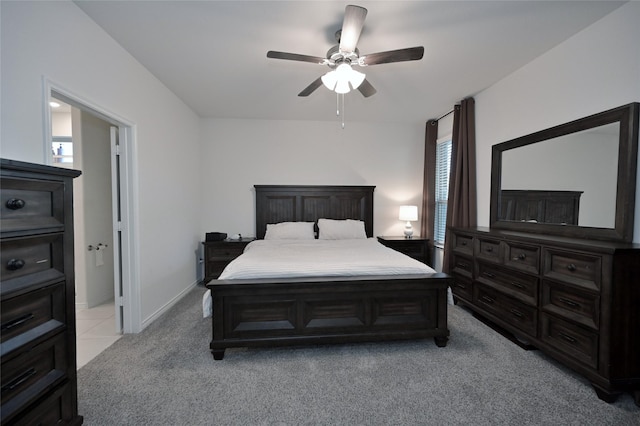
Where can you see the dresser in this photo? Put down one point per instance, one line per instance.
(417, 248)
(37, 295)
(218, 254)
(576, 300)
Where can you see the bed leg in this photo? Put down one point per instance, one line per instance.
(218, 354)
(441, 341)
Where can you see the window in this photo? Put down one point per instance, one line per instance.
(443, 166)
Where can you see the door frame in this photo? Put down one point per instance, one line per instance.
(129, 251)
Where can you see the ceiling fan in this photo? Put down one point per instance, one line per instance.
(341, 57)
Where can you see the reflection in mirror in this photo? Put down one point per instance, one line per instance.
(576, 179)
(568, 180)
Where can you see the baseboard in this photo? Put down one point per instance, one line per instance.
(168, 305)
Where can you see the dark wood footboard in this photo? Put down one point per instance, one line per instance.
(276, 312)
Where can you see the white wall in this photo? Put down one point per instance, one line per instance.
(237, 154)
(86, 62)
(593, 71)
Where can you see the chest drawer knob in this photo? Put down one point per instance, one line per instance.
(567, 338)
(489, 274)
(569, 302)
(487, 299)
(517, 285)
(17, 321)
(571, 267)
(15, 264)
(15, 204)
(516, 313)
(19, 380)
(522, 256)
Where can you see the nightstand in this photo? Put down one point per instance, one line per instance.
(218, 254)
(417, 248)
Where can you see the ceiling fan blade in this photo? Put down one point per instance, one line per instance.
(400, 55)
(311, 88)
(366, 89)
(352, 27)
(295, 57)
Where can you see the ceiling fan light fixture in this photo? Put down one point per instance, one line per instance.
(356, 78)
(338, 80)
(342, 87)
(329, 80)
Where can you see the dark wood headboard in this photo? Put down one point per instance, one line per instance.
(298, 203)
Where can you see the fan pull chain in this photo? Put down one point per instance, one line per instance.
(337, 105)
(343, 110)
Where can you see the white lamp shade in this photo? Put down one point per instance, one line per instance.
(356, 78)
(342, 86)
(329, 80)
(408, 213)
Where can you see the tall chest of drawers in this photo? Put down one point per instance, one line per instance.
(576, 300)
(37, 295)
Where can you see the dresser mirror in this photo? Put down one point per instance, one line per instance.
(577, 179)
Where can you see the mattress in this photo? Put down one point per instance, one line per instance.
(317, 258)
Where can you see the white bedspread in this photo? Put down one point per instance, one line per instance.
(325, 258)
(317, 258)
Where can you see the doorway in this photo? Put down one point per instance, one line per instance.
(100, 145)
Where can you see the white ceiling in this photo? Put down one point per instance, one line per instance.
(212, 54)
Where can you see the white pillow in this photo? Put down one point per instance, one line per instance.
(348, 229)
(290, 231)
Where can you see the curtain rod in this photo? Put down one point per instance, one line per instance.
(445, 114)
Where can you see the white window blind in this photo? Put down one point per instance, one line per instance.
(443, 166)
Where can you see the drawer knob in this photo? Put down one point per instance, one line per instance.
(15, 204)
(17, 321)
(489, 274)
(15, 264)
(567, 338)
(489, 249)
(569, 302)
(515, 284)
(19, 380)
(571, 267)
(522, 256)
(517, 313)
(487, 299)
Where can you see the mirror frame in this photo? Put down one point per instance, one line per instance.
(627, 116)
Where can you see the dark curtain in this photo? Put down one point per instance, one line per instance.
(462, 202)
(429, 183)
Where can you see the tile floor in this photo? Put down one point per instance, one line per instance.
(95, 331)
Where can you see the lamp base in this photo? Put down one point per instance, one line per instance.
(408, 230)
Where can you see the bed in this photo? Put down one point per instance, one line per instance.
(324, 308)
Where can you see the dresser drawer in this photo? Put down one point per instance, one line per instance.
(30, 204)
(488, 250)
(516, 284)
(26, 312)
(522, 256)
(29, 256)
(462, 287)
(571, 303)
(463, 244)
(574, 268)
(462, 266)
(26, 377)
(55, 409)
(570, 339)
(511, 311)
